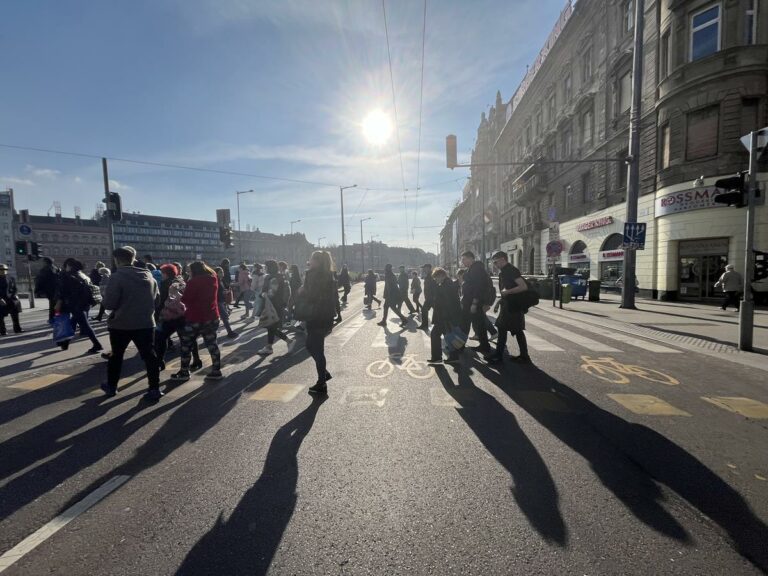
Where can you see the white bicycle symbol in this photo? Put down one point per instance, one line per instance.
(415, 368)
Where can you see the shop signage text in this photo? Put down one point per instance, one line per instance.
(694, 199)
(578, 258)
(599, 222)
(611, 255)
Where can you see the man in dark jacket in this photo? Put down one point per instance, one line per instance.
(403, 283)
(446, 316)
(510, 319)
(73, 297)
(45, 284)
(133, 296)
(9, 301)
(475, 296)
(345, 283)
(429, 290)
(94, 275)
(392, 297)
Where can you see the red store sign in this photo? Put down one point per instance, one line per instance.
(611, 255)
(591, 224)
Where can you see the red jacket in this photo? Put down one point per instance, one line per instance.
(201, 299)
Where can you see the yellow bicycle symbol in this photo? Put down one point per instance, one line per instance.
(615, 372)
(415, 368)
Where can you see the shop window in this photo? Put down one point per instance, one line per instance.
(750, 23)
(664, 143)
(705, 32)
(624, 96)
(701, 133)
(749, 109)
(665, 65)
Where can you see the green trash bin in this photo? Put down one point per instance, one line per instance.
(565, 293)
(594, 290)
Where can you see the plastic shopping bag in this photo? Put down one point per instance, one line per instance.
(62, 329)
(269, 315)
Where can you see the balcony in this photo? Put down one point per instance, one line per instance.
(530, 186)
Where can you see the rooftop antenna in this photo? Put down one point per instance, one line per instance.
(77, 212)
(57, 207)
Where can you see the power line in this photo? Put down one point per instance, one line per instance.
(421, 107)
(394, 109)
(166, 165)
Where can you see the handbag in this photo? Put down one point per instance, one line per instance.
(228, 296)
(523, 300)
(455, 339)
(269, 315)
(62, 328)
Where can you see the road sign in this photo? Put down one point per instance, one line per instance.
(25, 230)
(554, 248)
(762, 140)
(634, 235)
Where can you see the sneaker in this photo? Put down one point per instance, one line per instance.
(214, 375)
(435, 361)
(95, 349)
(522, 359)
(327, 376)
(494, 359)
(404, 323)
(319, 388)
(181, 375)
(109, 391)
(196, 365)
(233, 335)
(291, 344)
(153, 395)
(484, 350)
(266, 351)
(161, 365)
(382, 323)
(106, 355)
(453, 360)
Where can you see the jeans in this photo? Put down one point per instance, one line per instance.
(144, 341)
(80, 318)
(315, 344)
(436, 346)
(501, 343)
(224, 315)
(478, 321)
(190, 333)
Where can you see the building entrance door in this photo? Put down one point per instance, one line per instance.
(698, 275)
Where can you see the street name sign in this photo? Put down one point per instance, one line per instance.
(634, 235)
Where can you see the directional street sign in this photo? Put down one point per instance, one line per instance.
(634, 235)
(25, 230)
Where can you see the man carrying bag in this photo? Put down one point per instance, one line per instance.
(512, 315)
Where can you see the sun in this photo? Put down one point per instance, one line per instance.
(377, 128)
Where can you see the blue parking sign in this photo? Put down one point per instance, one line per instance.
(634, 235)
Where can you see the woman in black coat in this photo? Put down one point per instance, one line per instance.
(370, 289)
(392, 297)
(446, 314)
(277, 290)
(319, 300)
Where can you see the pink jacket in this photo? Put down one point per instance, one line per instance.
(244, 280)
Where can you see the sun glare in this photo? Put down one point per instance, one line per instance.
(377, 127)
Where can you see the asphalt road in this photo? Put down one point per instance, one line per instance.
(570, 466)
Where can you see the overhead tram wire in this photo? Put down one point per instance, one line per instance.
(394, 109)
(421, 108)
(167, 165)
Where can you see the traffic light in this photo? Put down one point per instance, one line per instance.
(225, 235)
(21, 248)
(114, 206)
(736, 194)
(451, 156)
(37, 250)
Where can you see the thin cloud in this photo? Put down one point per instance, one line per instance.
(17, 181)
(48, 173)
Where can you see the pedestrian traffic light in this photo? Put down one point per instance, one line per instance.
(21, 247)
(451, 156)
(114, 206)
(736, 194)
(225, 235)
(36, 250)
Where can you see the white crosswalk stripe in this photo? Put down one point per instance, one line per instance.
(592, 345)
(625, 338)
(340, 337)
(538, 343)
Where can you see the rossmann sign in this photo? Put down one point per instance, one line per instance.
(685, 200)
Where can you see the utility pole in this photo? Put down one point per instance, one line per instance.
(747, 308)
(633, 176)
(239, 235)
(343, 234)
(362, 245)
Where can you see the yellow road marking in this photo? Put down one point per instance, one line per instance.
(647, 405)
(40, 381)
(275, 392)
(745, 406)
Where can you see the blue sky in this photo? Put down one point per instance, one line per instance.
(274, 88)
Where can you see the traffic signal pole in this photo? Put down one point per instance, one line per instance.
(747, 308)
(105, 172)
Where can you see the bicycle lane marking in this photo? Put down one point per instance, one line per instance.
(416, 369)
(592, 345)
(625, 338)
(608, 369)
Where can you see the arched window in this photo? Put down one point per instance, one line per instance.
(578, 247)
(613, 242)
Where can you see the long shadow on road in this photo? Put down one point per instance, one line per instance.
(246, 542)
(632, 460)
(534, 489)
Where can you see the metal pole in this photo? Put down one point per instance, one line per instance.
(482, 218)
(747, 308)
(29, 278)
(633, 177)
(239, 239)
(343, 236)
(362, 250)
(105, 172)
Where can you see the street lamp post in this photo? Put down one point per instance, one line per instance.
(373, 260)
(343, 235)
(239, 236)
(362, 245)
(320, 240)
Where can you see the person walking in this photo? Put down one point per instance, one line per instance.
(74, 297)
(156, 274)
(257, 285)
(416, 290)
(132, 297)
(319, 294)
(244, 288)
(392, 297)
(446, 314)
(475, 300)
(277, 290)
(9, 301)
(94, 275)
(370, 290)
(429, 289)
(294, 282)
(338, 303)
(201, 316)
(402, 281)
(345, 283)
(105, 274)
(732, 284)
(171, 313)
(221, 300)
(511, 318)
(46, 284)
